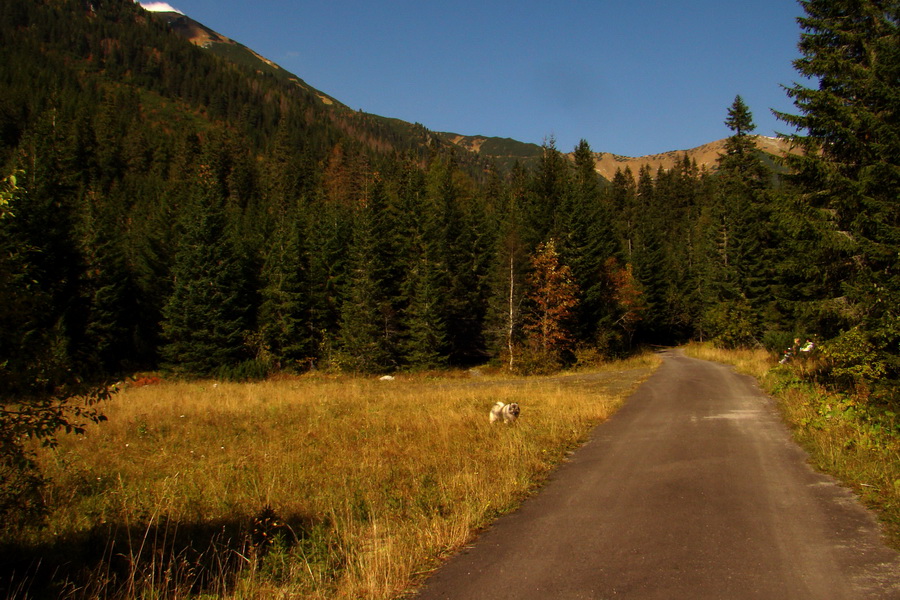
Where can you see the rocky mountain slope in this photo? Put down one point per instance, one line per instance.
(705, 156)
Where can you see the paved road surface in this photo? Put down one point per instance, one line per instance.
(693, 490)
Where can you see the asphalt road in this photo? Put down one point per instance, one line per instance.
(694, 489)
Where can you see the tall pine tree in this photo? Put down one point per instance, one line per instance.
(205, 317)
(850, 131)
(284, 314)
(741, 273)
(368, 331)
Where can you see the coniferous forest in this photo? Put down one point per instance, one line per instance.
(166, 209)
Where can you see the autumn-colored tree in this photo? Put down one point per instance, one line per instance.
(553, 297)
(628, 296)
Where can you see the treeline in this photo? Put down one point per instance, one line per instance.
(171, 210)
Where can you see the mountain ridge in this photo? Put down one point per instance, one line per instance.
(200, 35)
(705, 155)
(503, 151)
(607, 163)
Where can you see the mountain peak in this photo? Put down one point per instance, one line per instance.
(159, 7)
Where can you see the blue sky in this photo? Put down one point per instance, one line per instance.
(632, 77)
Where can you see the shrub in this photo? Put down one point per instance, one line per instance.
(20, 490)
(249, 370)
(855, 362)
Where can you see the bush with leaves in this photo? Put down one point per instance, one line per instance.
(39, 393)
(854, 361)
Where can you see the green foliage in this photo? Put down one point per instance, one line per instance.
(40, 392)
(184, 209)
(284, 308)
(21, 483)
(730, 324)
(204, 319)
(249, 370)
(855, 360)
(848, 172)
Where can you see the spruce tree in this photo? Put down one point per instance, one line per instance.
(454, 239)
(428, 274)
(622, 197)
(590, 241)
(741, 270)
(45, 223)
(204, 319)
(550, 195)
(109, 289)
(677, 194)
(284, 319)
(650, 265)
(426, 335)
(848, 128)
(329, 235)
(367, 327)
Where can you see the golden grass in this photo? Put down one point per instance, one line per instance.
(750, 361)
(370, 483)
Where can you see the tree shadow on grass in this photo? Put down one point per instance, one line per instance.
(162, 559)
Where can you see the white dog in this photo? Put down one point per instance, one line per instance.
(508, 413)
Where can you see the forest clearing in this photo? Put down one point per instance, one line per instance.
(316, 486)
(262, 257)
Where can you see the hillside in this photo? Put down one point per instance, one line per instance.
(705, 157)
(158, 122)
(220, 45)
(286, 93)
(504, 152)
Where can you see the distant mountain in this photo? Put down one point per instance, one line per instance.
(705, 157)
(331, 118)
(504, 152)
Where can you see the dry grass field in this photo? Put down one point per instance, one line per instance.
(305, 487)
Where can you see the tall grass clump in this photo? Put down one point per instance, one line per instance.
(845, 433)
(306, 487)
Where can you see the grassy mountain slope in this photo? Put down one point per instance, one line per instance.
(503, 151)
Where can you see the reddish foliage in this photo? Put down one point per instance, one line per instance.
(627, 293)
(146, 380)
(554, 294)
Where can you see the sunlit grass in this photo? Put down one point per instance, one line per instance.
(369, 483)
(750, 361)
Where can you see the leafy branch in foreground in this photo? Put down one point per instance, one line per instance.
(39, 393)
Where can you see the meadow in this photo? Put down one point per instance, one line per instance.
(297, 487)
